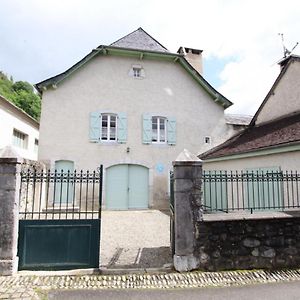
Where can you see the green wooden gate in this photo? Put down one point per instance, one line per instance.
(56, 235)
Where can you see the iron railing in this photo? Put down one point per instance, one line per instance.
(250, 191)
(60, 195)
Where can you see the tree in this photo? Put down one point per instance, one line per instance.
(22, 94)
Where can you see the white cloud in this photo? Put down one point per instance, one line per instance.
(42, 38)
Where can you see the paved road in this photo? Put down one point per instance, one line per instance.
(274, 291)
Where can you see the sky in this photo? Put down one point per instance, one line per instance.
(239, 39)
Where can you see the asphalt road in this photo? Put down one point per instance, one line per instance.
(274, 291)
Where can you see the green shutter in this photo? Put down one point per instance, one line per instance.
(147, 129)
(95, 126)
(122, 128)
(171, 127)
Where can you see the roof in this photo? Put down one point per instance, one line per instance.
(139, 39)
(15, 109)
(239, 120)
(284, 63)
(116, 49)
(280, 132)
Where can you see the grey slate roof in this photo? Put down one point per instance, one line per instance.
(139, 39)
(280, 132)
(241, 120)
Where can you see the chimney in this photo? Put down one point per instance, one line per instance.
(193, 56)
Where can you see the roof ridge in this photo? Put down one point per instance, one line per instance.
(124, 36)
(141, 30)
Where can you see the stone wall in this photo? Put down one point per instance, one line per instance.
(214, 242)
(248, 244)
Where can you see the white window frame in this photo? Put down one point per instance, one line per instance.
(108, 140)
(159, 118)
(20, 139)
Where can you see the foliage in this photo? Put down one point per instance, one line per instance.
(22, 94)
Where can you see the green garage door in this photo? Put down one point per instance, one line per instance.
(127, 187)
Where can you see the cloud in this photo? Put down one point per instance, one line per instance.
(42, 38)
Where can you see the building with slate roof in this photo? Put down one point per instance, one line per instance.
(132, 106)
(272, 141)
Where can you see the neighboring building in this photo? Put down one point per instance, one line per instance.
(132, 106)
(18, 130)
(272, 141)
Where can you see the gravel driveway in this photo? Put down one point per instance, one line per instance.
(135, 239)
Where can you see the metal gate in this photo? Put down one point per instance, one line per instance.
(59, 219)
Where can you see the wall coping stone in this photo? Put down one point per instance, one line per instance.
(187, 163)
(11, 160)
(248, 216)
(187, 156)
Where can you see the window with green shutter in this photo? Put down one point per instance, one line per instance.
(108, 127)
(159, 129)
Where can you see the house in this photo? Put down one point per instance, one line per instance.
(18, 130)
(270, 145)
(132, 106)
(273, 136)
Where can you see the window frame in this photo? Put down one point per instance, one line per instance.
(137, 72)
(36, 145)
(108, 133)
(158, 130)
(21, 137)
(207, 140)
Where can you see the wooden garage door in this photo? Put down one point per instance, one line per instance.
(127, 187)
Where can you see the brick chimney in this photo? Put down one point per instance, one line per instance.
(193, 56)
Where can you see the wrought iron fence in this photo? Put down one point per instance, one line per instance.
(250, 191)
(60, 195)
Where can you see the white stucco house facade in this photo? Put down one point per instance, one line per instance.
(132, 106)
(18, 131)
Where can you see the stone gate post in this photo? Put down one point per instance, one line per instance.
(187, 209)
(9, 214)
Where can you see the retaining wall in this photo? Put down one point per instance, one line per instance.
(248, 244)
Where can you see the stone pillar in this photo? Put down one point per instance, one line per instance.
(9, 214)
(187, 209)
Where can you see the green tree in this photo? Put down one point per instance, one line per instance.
(22, 94)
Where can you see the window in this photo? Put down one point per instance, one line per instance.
(136, 72)
(36, 145)
(159, 130)
(108, 127)
(207, 140)
(20, 139)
